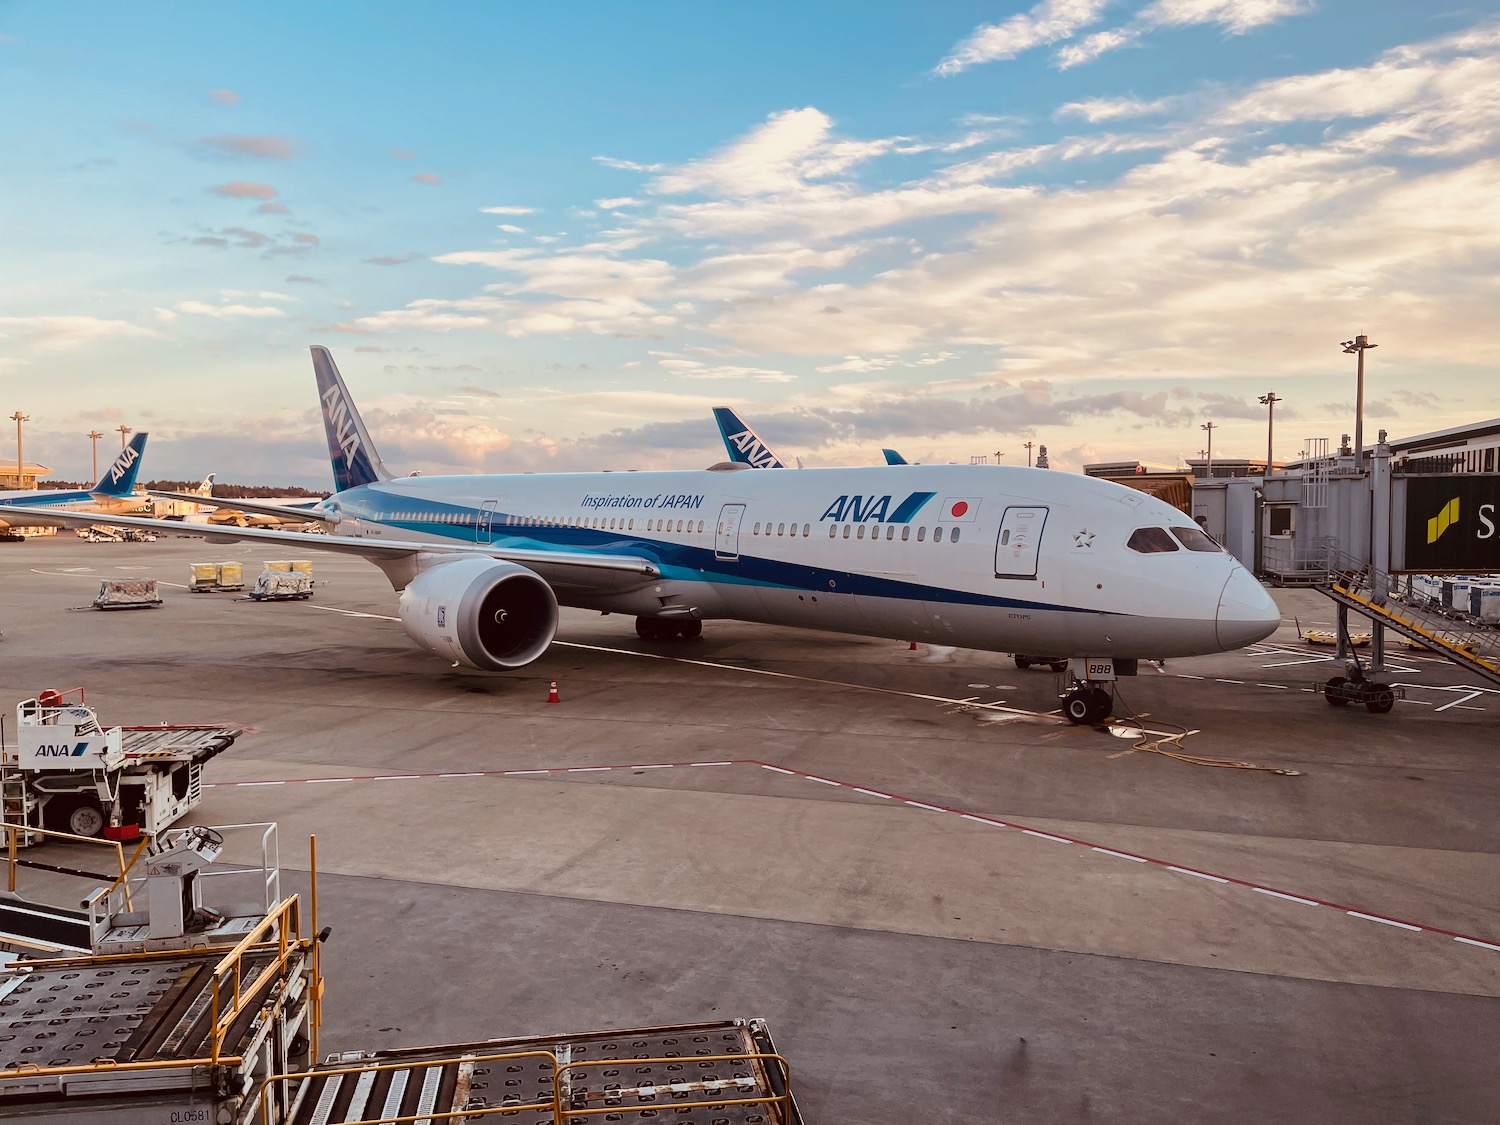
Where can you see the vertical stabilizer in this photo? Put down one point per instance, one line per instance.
(355, 461)
(743, 443)
(892, 457)
(119, 478)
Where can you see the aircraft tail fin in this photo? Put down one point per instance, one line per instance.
(355, 461)
(119, 478)
(744, 444)
(207, 487)
(894, 458)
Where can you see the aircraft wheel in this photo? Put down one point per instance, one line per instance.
(1381, 700)
(1103, 704)
(1078, 706)
(690, 628)
(1330, 692)
(1022, 662)
(1058, 665)
(653, 629)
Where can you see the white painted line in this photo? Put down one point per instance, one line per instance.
(1197, 874)
(1230, 681)
(920, 805)
(1290, 663)
(872, 793)
(1459, 701)
(778, 769)
(666, 766)
(823, 780)
(710, 763)
(398, 777)
(1384, 921)
(589, 769)
(460, 775)
(349, 612)
(252, 784)
(522, 773)
(1045, 836)
(1120, 855)
(1185, 676)
(326, 780)
(984, 820)
(1278, 687)
(1480, 944)
(1289, 898)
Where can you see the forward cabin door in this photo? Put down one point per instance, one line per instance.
(1020, 538)
(727, 535)
(484, 530)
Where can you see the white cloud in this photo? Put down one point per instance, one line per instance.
(511, 228)
(200, 308)
(507, 210)
(1235, 16)
(1094, 110)
(1049, 22)
(61, 332)
(615, 204)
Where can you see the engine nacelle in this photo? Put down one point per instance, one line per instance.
(482, 612)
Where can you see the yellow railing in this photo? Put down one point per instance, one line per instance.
(560, 1071)
(13, 834)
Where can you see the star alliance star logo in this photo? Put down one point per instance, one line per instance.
(1084, 538)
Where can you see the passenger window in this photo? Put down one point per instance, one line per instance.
(833, 529)
(937, 535)
(921, 534)
(807, 529)
(679, 525)
(757, 528)
(630, 526)
(954, 537)
(781, 529)
(700, 525)
(1151, 541)
(846, 531)
(906, 533)
(861, 533)
(1195, 539)
(890, 531)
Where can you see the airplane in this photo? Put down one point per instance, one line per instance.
(995, 558)
(747, 447)
(239, 513)
(113, 492)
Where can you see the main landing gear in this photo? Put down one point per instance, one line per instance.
(668, 628)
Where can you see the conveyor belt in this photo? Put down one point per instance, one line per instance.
(43, 924)
(197, 744)
(454, 1078)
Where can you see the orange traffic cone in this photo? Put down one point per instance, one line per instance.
(913, 647)
(552, 692)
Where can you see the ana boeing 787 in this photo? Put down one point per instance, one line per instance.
(978, 556)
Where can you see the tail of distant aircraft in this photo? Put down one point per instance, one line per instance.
(893, 458)
(743, 443)
(355, 461)
(119, 478)
(207, 487)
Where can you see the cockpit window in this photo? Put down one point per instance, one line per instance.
(1196, 540)
(1151, 541)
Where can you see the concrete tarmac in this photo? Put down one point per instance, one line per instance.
(882, 866)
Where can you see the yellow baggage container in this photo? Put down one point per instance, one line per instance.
(232, 574)
(302, 566)
(279, 567)
(205, 575)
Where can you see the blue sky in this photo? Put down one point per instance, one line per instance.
(552, 236)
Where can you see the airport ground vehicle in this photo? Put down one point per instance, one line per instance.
(70, 774)
(193, 993)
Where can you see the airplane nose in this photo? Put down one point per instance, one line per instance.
(1246, 612)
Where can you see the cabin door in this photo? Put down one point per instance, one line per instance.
(485, 528)
(1020, 537)
(727, 535)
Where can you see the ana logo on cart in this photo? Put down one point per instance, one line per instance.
(61, 750)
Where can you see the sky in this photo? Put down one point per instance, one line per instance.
(552, 237)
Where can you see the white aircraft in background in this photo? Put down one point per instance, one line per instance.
(996, 558)
(746, 447)
(238, 512)
(113, 492)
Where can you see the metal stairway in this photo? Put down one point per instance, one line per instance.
(1372, 593)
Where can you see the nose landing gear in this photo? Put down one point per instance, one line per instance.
(1089, 699)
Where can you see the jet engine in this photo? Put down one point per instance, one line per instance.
(482, 612)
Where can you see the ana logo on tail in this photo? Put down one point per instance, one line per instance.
(755, 452)
(340, 422)
(122, 464)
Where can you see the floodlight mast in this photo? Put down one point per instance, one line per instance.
(1269, 401)
(1208, 428)
(1358, 346)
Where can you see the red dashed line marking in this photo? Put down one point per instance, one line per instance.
(1227, 880)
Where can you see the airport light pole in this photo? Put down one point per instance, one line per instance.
(125, 432)
(18, 418)
(94, 436)
(1269, 401)
(1028, 454)
(1358, 346)
(1208, 428)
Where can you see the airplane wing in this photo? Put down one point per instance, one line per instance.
(575, 569)
(280, 511)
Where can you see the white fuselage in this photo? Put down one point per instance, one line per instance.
(988, 557)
